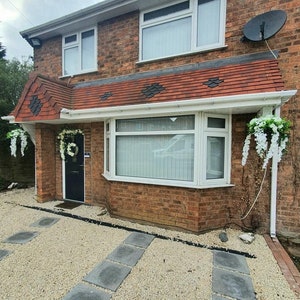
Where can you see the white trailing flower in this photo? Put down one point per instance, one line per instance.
(66, 142)
(13, 146)
(23, 137)
(16, 135)
(246, 149)
(271, 137)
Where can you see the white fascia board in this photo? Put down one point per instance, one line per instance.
(247, 102)
(10, 119)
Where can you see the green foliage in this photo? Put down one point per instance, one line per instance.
(2, 51)
(13, 77)
(3, 184)
(270, 125)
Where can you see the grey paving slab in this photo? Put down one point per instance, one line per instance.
(231, 261)
(138, 239)
(126, 254)
(4, 253)
(217, 297)
(21, 237)
(85, 292)
(232, 284)
(108, 275)
(45, 222)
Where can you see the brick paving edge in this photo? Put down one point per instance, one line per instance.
(287, 266)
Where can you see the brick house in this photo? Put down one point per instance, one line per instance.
(162, 92)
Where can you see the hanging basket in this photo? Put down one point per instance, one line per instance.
(17, 136)
(271, 135)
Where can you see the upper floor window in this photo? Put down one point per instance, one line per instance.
(79, 52)
(183, 27)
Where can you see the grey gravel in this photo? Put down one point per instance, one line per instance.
(61, 256)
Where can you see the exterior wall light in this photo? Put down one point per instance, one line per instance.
(35, 42)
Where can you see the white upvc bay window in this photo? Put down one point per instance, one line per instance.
(183, 150)
(181, 28)
(80, 52)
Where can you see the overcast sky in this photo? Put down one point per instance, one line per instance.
(18, 15)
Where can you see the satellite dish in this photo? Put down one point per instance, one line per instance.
(264, 26)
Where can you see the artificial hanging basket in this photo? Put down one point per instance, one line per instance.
(17, 136)
(271, 135)
(67, 145)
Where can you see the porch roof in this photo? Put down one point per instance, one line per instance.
(241, 87)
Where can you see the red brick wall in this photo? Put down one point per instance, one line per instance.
(97, 181)
(45, 162)
(189, 208)
(48, 58)
(200, 209)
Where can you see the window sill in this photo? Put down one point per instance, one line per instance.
(141, 62)
(167, 183)
(78, 74)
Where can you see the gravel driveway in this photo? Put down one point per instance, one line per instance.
(61, 255)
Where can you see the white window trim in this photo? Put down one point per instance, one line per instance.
(192, 12)
(226, 133)
(200, 132)
(78, 43)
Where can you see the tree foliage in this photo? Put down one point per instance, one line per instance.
(2, 51)
(13, 77)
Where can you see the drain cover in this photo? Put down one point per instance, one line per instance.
(21, 237)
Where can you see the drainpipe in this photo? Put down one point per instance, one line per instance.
(274, 189)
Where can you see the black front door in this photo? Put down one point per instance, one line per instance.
(74, 171)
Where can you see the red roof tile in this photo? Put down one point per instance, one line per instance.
(255, 77)
(236, 79)
(51, 95)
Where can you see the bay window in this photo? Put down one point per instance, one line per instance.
(185, 150)
(182, 27)
(79, 52)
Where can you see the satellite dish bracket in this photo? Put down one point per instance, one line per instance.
(262, 30)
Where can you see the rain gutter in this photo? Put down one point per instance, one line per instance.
(237, 104)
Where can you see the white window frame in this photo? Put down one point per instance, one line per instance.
(78, 43)
(200, 132)
(191, 12)
(216, 132)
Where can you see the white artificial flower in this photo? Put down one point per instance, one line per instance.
(72, 149)
(246, 149)
(14, 135)
(271, 137)
(65, 146)
(23, 138)
(13, 146)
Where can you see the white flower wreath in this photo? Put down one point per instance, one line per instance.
(66, 142)
(72, 149)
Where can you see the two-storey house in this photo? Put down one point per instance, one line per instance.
(157, 95)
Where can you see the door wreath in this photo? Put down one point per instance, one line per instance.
(67, 145)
